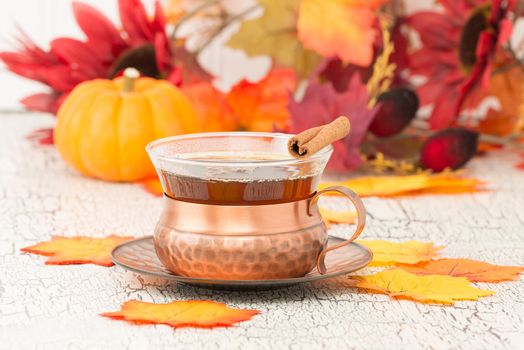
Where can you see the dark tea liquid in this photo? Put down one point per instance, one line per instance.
(276, 189)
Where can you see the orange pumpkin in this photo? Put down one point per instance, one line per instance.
(104, 126)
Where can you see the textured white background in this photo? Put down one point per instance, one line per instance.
(55, 307)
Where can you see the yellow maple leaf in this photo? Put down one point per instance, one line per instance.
(274, 34)
(343, 28)
(77, 250)
(387, 186)
(174, 10)
(330, 216)
(473, 270)
(410, 252)
(398, 283)
(178, 314)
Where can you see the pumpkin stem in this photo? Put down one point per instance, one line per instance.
(130, 75)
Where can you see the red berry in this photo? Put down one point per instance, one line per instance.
(450, 148)
(397, 108)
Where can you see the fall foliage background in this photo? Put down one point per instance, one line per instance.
(238, 62)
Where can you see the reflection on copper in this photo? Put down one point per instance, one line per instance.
(252, 242)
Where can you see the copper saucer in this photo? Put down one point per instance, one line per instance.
(139, 256)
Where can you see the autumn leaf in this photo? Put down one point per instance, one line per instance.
(78, 250)
(211, 107)
(508, 88)
(338, 73)
(153, 186)
(178, 314)
(330, 216)
(398, 283)
(423, 183)
(259, 106)
(262, 106)
(484, 147)
(191, 70)
(343, 28)
(322, 104)
(473, 270)
(174, 10)
(274, 34)
(42, 137)
(410, 252)
(338, 216)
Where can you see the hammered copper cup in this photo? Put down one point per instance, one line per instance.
(231, 241)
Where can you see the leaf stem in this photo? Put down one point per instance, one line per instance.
(505, 68)
(519, 6)
(503, 141)
(224, 25)
(190, 15)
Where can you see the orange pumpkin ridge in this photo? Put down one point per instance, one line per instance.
(102, 129)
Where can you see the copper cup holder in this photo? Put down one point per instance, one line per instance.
(231, 242)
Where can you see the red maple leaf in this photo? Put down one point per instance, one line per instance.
(322, 104)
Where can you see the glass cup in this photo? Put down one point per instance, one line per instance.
(237, 206)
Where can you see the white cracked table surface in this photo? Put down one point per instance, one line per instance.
(55, 307)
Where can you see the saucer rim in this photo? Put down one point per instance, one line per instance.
(267, 282)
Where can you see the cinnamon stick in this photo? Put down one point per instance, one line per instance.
(312, 140)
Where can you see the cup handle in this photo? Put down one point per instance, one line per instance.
(361, 220)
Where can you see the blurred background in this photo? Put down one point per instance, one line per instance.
(44, 20)
(436, 80)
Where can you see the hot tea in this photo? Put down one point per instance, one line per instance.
(239, 188)
(238, 206)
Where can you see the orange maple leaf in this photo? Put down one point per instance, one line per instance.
(473, 270)
(178, 314)
(343, 28)
(263, 106)
(153, 186)
(211, 107)
(77, 250)
(509, 116)
(398, 283)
